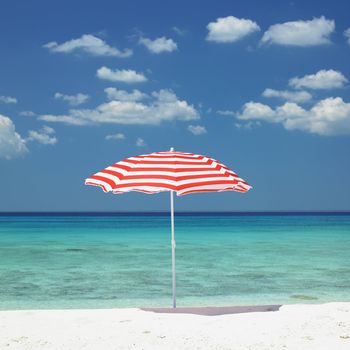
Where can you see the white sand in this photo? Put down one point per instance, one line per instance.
(296, 327)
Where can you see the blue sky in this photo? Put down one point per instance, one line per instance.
(261, 86)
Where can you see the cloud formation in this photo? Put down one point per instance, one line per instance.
(122, 95)
(43, 136)
(140, 142)
(230, 29)
(162, 106)
(300, 33)
(118, 136)
(323, 79)
(8, 99)
(347, 35)
(120, 75)
(89, 44)
(330, 116)
(179, 31)
(197, 130)
(327, 117)
(247, 125)
(11, 143)
(294, 96)
(159, 45)
(226, 112)
(73, 100)
(27, 113)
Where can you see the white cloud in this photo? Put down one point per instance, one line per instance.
(330, 116)
(11, 143)
(294, 96)
(140, 142)
(159, 45)
(118, 136)
(122, 95)
(347, 35)
(74, 118)
(121, 75)
(226, 112)
(8, 99)
(197, 130)
(27, 114)
(323, 79)
(87, 43)
(179, 31)
(247, 125)
(300, 33)
(163, 106)
(73, 100)
(230, 29)
(256, 111)
(43, 136)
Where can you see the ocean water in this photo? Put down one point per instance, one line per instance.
(125, 260)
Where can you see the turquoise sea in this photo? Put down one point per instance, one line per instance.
(87, 261)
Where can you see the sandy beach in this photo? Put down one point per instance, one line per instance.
(296, 327)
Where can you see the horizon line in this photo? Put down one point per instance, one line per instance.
(166, 212)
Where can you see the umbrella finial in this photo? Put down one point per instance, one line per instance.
(171, 149)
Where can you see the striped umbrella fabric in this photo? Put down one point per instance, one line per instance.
(178, 172)
(183, 173)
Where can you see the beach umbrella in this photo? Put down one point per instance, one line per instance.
(173, 171)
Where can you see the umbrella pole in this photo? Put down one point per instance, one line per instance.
(173, 246)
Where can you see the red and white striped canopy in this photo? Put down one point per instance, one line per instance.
(181, 172)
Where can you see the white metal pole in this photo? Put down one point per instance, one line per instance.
(173, 246)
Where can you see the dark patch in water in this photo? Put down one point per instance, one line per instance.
(303, 297)
(75, 250)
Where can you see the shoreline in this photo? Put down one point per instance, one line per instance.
(298, 326)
